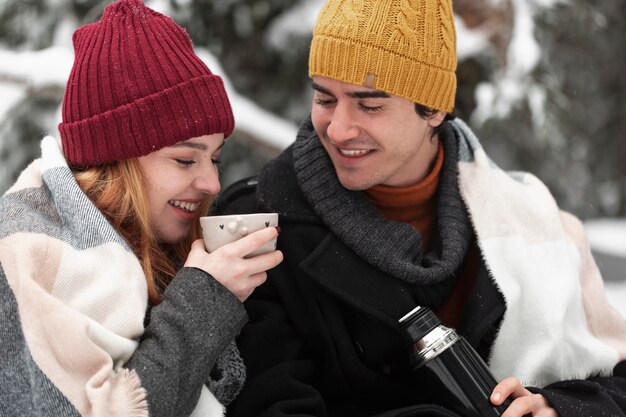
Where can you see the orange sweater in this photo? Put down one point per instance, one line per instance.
(417, 205)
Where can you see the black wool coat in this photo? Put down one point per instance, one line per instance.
(323, 336)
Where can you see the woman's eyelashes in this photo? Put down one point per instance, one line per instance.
(184, 162)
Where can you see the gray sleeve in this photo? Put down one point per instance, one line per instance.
(188, 330)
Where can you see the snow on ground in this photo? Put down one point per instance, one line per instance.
(608, 236)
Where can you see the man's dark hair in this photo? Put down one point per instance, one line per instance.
(427, 113)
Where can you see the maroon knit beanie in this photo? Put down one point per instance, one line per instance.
(137, 86)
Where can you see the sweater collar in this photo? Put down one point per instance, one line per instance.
(414, 204)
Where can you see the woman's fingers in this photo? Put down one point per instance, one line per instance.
(231, 268)
(252, 242)
(252, 281)
(196, 254)
(198, 244)
(264, 262)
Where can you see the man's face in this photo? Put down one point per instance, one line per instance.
(372, 137)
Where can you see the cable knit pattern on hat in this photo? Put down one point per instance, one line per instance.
(407, 18)
(137, 86)
(403, 47)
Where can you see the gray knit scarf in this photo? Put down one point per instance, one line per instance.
(391, 246)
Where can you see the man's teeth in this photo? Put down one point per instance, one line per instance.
(190, 207)
(353, 152)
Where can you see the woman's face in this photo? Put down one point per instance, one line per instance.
(179, 178)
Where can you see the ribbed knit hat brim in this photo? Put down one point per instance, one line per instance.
(407, 77)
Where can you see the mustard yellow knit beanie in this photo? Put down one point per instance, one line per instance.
(402, 47)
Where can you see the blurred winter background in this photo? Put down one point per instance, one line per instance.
(540, 81)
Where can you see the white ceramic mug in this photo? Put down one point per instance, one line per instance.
(220, 230)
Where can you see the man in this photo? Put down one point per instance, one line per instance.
(386, 203)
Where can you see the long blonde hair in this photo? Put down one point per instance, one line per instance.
(118, 190)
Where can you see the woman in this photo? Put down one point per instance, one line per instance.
(110, 304)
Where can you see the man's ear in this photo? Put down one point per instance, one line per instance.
(437, 118)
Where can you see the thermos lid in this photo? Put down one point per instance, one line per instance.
(418, 323)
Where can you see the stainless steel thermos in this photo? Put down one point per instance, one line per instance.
(455, 375)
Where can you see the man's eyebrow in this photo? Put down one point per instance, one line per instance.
(321, 89)
(353, 94)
